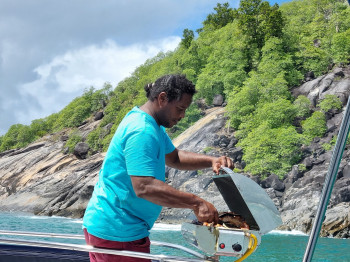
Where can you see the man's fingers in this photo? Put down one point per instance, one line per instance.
(227, 162)
(207, 213)
(217, 168)
(222, 161)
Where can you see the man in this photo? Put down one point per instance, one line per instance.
(131, 191)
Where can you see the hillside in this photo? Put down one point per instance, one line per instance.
(281, 74)
(43, 180)
(252, 56)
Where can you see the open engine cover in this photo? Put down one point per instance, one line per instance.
(245, 197)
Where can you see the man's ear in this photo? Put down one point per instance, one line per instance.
(162, 99)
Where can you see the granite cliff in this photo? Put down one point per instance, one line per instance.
(43, 179)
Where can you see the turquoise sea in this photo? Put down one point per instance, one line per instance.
(275, 246)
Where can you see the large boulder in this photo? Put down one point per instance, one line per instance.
(337, 221)
(272, 181)
(99, 115)
(218, 100)
(81, 150)
(334, 83)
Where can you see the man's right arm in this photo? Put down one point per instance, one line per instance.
(162, 194)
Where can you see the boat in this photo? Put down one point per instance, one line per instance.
(245, 199)
(16, 250)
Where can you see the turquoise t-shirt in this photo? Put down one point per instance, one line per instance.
(138, 148)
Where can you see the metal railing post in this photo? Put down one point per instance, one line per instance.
(329, 183)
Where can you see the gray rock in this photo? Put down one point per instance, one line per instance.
(337, 222)
(309, 76)
(66, 150)
(341, 191)
(7, 152)
(292, 176)
(317, 89)
(81, 150)
(339, 72)
(317, 42)
(64, 138)
(44, 181)
(346, 171)
(27, 149)
(99, 116)
(236, 154)
(273, 181)
(218, 100)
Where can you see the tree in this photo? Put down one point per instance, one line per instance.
(74, 138)
(10, 139)
(25, 136)
(226, 65)
(39, 128)
(276, 61)
(310, 30)
(190, 61)
(188, 36)
(271, 150)
(274, 114)
(242, 103)
(341, 47)
(330, 102)
(260, 21)
(314, 126)
(224, 15)
(302, 106)
(272, 21)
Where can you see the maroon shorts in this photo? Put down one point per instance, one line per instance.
(142, 245)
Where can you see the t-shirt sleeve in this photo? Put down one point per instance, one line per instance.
(141, 153)
(169, 146)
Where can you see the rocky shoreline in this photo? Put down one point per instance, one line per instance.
(44, 180)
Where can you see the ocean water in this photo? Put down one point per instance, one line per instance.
(276, 246)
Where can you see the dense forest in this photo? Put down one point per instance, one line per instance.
(253, 56)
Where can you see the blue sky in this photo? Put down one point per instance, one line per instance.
(51, 51)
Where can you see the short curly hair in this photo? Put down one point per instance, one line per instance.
(173, 85)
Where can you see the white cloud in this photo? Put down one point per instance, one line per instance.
(47, 47)
(67, 75)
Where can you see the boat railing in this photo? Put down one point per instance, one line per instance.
(86, 248)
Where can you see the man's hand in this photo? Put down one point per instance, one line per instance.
(206, 212)
(222, 161)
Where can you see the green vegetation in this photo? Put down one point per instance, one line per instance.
(314, 126)
(82, 107)
(327, 146)
(74, 138)
(200, 172)
(302, 106)
(271, 150)
(331, 144)
(207, 149)
(301, 167)
(330, 102)
(253, 56)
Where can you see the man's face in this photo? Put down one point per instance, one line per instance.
(172, 112)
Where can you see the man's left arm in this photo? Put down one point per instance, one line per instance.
(185, 160)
